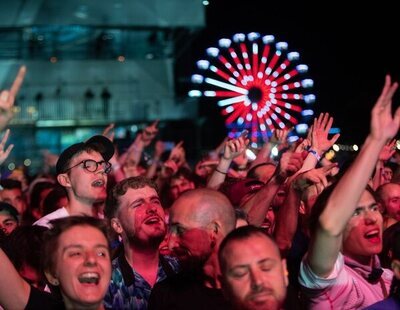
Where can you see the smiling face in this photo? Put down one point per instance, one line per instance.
(363, 234)
(88, 187)
(82, 266)
(254, 276)
(141, 217)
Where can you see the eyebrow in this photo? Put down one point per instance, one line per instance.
(262, 261)
(79, 246)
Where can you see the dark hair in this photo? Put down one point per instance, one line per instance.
(112, 203)
(239, 234)
(252, 171)
(23, 246)
(37, 189)
(11, 184)
(6, 207)
(60, 226)
(51, 200)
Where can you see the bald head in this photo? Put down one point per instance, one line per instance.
(388, 196)
(199, 220)
(205, 206)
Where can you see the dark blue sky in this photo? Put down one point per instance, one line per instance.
(348, 50)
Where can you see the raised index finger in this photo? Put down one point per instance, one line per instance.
(18, 81)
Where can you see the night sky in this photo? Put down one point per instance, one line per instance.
(348, 50)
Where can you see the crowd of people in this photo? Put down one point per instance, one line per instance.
(109, 230)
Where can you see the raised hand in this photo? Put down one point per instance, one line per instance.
(235, 147)
(289, 164)
(384, 126)
(109, 132)
(317, 177)
(388, 150)
(178, 154)
(7, 98)
(4, 153)
(319, 133)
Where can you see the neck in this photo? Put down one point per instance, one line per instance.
(77, 207)
(139, 256)
(211, 272)
(363, 260)
(70, 305)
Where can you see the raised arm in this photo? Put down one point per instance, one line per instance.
(257, 207)
(327, 240)
(14, 291)
(233, 148)
(7, 99)
(288, 214)
(4, 152)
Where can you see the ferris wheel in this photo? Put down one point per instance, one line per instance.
(258, 84)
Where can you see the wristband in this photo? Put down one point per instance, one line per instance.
(315, 154)
(216, 169)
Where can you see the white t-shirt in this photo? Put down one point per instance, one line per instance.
(45, 220)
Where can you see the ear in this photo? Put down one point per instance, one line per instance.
(285, 272)
(51, 278)
(116, 225)
(396, 268)
(215, 234)
(63, 179)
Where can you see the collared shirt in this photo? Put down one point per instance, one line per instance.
(128, 289)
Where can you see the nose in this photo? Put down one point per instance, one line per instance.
(172, 240)
(370, 217)
(90, 259)
(151, 208)
(256, 280)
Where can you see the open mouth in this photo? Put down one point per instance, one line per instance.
(99, 183)
(373, 236)
(89, 278)
(152, 220)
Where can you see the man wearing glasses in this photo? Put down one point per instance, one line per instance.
(82, 170)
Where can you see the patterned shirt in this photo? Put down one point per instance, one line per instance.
(128, 289)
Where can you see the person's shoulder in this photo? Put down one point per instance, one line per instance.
(389, 303)
(44, 221)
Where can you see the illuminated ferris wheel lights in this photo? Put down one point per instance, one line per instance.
(209, 93)
(288, 105)
(240, 120)
(307, 83)
(292, 139)
(229, 109)
(249, 117)
(278, 110)
(287, 76)
(255, 49)
(254, 106)
(301, 128)
(307, 112)
(281, 125)
(302, 68)
(239, 37)
(297, 84)
(264, 60)
(309, 98)
(275, 74)
(262, 127)
(203, 64)
(194, 93)
(212, 51)
(232, 100)
(225, 43)
(284, 87)
(292, 56)
(237, 89)
(282, 46)
(252, 36)
(268, 39)
(287, 116)
(197, 79)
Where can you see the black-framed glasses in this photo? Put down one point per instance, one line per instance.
(92, 165)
